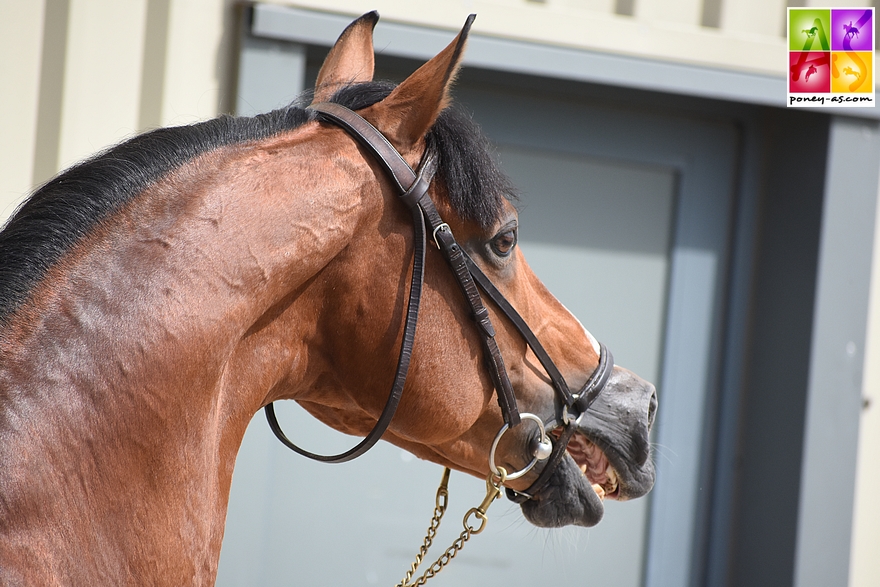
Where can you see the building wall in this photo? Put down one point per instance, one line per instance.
(77, 76)
(80, 75)
(777, 372)
(88, 73)
(864, 563)
(21, 40)
(747, 34)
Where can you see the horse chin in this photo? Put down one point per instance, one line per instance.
(567, 499)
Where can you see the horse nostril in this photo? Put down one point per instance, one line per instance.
(641, 444)
(652, 407)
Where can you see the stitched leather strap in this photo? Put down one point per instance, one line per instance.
(375, 141)
(368, 136)
(460, 263)
(417, 186)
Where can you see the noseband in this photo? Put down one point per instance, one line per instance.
(413, 188)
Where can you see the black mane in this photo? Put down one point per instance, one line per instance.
(61, 212)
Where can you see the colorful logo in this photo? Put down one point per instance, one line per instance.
(831, 57)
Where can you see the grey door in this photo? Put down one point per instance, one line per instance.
(638, 197)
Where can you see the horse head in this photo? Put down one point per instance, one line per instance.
(448, 378)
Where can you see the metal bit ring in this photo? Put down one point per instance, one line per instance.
(544, 438)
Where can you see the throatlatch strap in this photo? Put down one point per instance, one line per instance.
(418, 185)
(409, 333)
(402, 174)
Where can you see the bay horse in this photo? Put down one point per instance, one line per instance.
(158, 295)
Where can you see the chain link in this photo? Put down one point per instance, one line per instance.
(494, 483)
(439, 509)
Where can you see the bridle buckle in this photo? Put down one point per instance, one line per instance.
(445, 228)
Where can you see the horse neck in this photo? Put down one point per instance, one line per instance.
(128, 380)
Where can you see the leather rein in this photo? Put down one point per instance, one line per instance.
(413, 189)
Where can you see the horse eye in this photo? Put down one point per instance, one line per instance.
(503, 243)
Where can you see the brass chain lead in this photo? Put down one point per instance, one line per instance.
(494, 483)
(441, 501)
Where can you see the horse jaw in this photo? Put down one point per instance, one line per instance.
(568, 499)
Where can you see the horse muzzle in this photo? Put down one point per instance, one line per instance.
(607, 457)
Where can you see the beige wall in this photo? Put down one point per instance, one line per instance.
(864, 561)
(101, 87)
(20, 50)
(79, 75)
(750, 36)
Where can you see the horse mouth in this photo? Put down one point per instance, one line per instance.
(594, 466)
(608, 457)
(578, 489)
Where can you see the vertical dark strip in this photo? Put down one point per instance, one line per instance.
(153, 67)
(712, 13)
(228, 52)
(625, 7)
(52, 66)
(766, 497)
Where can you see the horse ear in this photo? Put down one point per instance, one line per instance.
(350, 60)
(410, 110)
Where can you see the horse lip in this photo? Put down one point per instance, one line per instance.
(568, 499)
(635, 478)
(618, 426)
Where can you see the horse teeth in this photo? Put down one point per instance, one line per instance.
(611, 474)
(599, 490)
(583, 469)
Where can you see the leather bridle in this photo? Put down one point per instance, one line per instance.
(413, 189)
